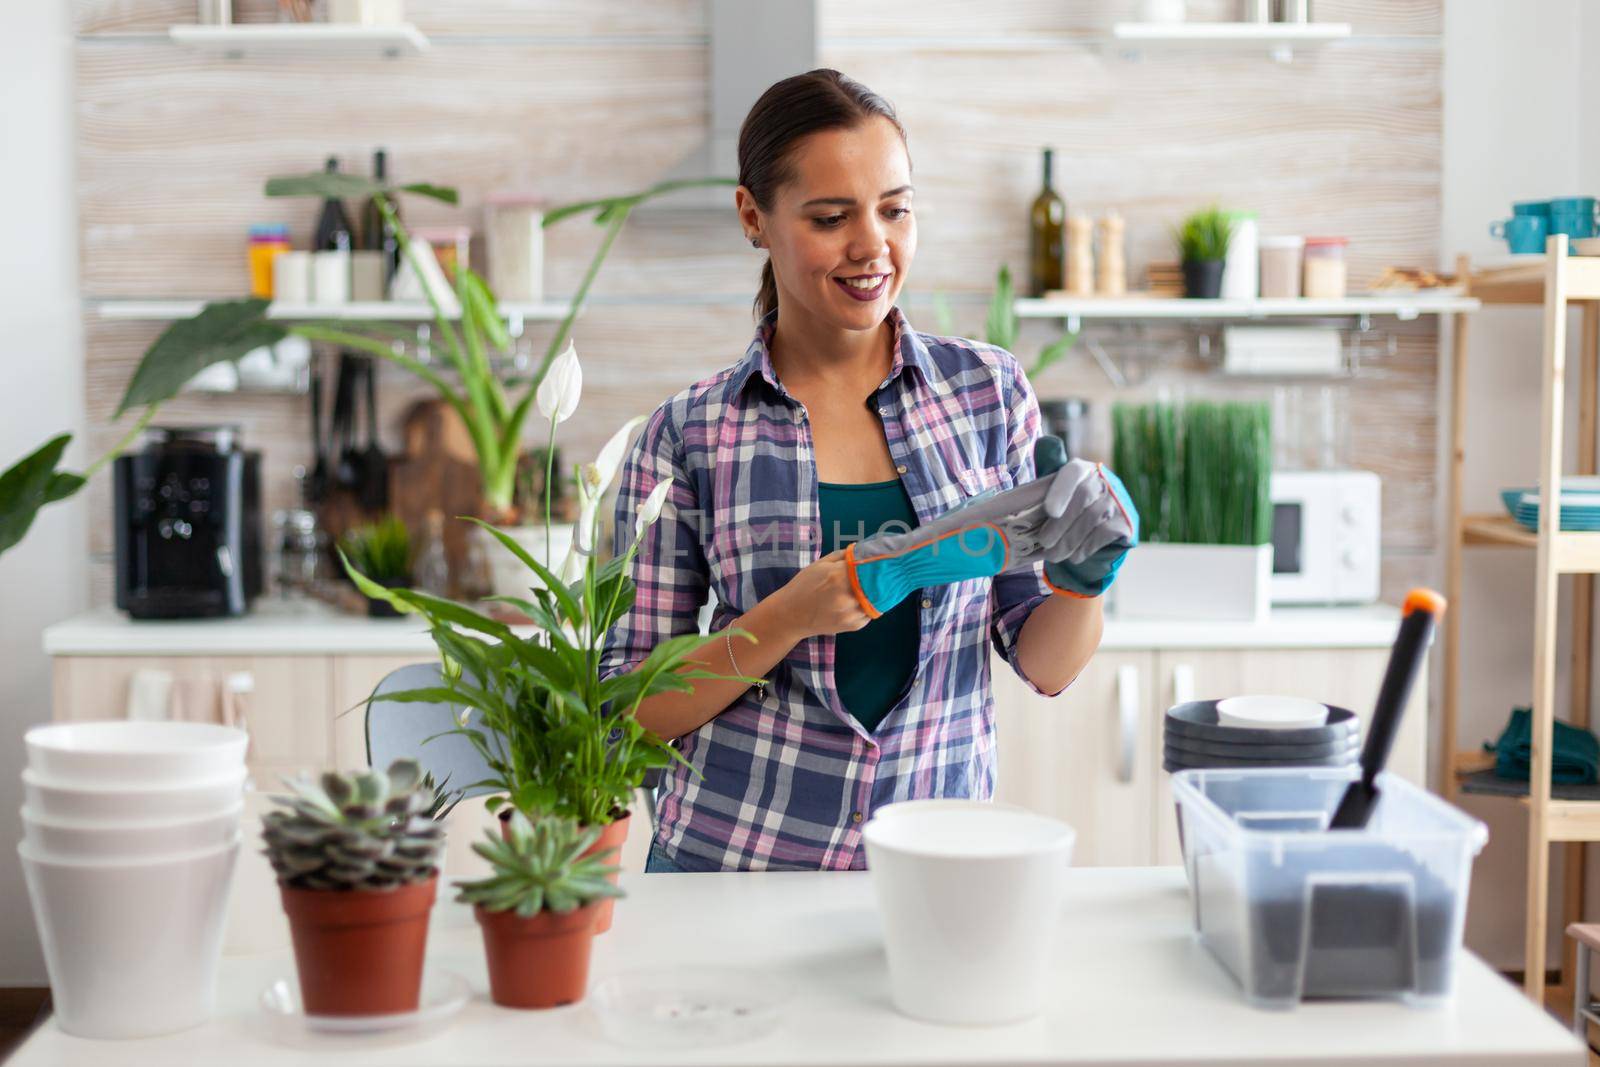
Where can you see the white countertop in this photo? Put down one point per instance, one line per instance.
(280, 628)
(1131, 986)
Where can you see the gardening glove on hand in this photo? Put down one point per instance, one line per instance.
(1091, 522)
(990, 534)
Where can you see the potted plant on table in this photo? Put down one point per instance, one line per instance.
(357, 860)
(538, 908)
(383, 553)
(558, 739)
(1200, 475)
(1203, 245)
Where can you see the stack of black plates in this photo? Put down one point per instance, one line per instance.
(1195, 739)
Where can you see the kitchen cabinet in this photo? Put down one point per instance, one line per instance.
(1092, 756)
(1084, 756)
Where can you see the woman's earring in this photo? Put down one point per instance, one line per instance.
(755, 242)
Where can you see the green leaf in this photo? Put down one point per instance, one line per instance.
(224, 330)
(1052, 354)
(1001, 327)
(482, 301)
(558, 588)
(30, 484)
(324, 185)
(437, 192)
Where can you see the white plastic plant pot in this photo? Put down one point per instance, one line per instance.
(131, 948)
(1207, 583)
(969, 894)
(146, 842)
(120, 752)
(127, 805)
(512, 577)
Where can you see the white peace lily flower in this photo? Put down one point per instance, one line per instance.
(605, 466)
(572, 566)
(650, 510)
(462, 716)
(562, 386)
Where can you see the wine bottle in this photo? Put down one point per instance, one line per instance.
(377, 235)
(1046, 256)
(334, 233)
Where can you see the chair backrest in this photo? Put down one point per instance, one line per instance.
(397, 729)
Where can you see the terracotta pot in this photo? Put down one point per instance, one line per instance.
(542, 962)
(360, 952)
(612, 836)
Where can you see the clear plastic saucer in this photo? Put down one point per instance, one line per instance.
(444, 993)
(679, 1007)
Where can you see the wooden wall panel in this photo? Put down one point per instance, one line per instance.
(583, 97)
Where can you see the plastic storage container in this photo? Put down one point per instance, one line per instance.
(1280, 267)
(1325, 270)
(1296, 911)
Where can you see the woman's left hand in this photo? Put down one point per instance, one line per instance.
(1092, 522)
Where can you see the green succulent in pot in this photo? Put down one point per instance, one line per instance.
(357, 860)
(538, 908)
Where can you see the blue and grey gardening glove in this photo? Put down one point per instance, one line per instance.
(1074, 516)
(1092, 522)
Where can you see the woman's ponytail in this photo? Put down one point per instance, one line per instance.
(767, 295)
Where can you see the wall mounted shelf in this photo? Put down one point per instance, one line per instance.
(1402, 306)
(303, 38)
(376, 311)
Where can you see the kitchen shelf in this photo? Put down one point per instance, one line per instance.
(1277, 36)
(1402, 306)
(304, 38)
(372, 311)
(1556, 281)
(1485, 783)
(1496, 530)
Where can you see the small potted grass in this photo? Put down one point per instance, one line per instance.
(357, 860)
(382, 552)
(538, 908)
(1203, 246)
(1200, 475)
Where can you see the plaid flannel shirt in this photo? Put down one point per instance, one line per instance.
(790, 776)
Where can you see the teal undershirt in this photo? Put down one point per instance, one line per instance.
(872, 664)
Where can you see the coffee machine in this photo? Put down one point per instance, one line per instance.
(188, 525)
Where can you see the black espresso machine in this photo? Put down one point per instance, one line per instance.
(188, 518)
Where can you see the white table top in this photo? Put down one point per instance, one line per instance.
(279, 628)
(1132, 987)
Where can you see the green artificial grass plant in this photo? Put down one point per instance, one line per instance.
(1200, 473)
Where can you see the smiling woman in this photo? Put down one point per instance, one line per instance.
(840, 423)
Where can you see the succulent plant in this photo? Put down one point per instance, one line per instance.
(540, 866)
(370, 830)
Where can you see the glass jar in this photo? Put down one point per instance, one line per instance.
(1324, 268)
(267, 243)
(1280, 267)
(515, 239)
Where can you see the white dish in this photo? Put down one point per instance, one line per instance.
(135, 753)
(688, 1007)
(1271, 713)
(444, 993)
(127, 805)
(131, 948)
(969, 895)
(137, 842)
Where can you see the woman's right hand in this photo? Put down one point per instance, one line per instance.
(819, 599)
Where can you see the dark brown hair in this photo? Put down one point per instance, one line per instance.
(820, 99)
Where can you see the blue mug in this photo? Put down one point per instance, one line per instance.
(1523, 233)
(1574, 216)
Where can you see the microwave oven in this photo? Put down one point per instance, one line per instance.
(1325, 531)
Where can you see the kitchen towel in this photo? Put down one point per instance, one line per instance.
(1575, 758)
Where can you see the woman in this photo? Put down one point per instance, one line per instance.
(840, 422)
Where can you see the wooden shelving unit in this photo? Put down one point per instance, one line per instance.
(1557, 281)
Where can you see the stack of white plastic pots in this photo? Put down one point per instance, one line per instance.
(130, 833)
